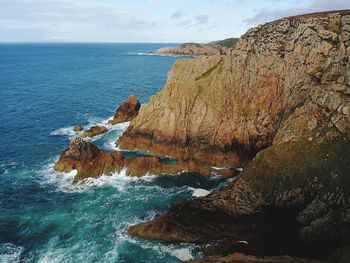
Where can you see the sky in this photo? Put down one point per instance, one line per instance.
(153, 21)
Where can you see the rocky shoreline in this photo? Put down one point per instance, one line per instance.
(277, 104)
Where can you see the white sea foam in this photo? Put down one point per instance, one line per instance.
(10, 253)
(157, 54)
(66, 131)
(219, 168)
(198, 192)
(183, 254)
(65, 181)
(69, 132)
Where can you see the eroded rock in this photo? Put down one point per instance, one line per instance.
(94, 131)
(78, 128)
(281, 94)
(282, 77)
(90, 161)
(127, 111)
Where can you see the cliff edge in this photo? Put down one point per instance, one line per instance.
(283, 81)
(279, 104)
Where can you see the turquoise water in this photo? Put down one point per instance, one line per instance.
(44, 90)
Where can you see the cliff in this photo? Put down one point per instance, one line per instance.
(283, 81)
(279, 104)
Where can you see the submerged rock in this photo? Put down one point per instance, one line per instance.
(127, 111)
(78, 128)
(94, 131)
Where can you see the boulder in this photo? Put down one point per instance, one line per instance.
(94, 131)
(78, 128)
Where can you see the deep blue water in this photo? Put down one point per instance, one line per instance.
(44, 90)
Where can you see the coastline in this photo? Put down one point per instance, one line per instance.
(284, 116)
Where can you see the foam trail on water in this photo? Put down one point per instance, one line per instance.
(66, 131)
(198, 192)
(10, 253)
(158, 55)
(65, 181)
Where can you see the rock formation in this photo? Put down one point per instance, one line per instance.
(90, 161)
(242, 258)
(127, 111)
(283, 81)
(78, 128)
(283, 92)
(193, 49)
(279, 105)
(94, 131)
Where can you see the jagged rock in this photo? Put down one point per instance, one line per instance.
(90, 161)
(94, 131)
(287, 201)
(78, 128)
(281, 95)
(288, 76)
(81, 150)
(127, 111)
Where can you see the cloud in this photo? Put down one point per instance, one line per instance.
(176, 15)
(61, 20)
(265, 15)
(201, 19)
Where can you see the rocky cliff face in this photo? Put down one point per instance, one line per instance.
(283, 92)
(285, 80)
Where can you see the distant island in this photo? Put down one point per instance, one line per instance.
(197, 49)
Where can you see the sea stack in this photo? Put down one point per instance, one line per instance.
(127, 111)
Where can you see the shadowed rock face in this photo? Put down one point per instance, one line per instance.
(283, 92)
(127, 111)
(287, 201)
(241, 258)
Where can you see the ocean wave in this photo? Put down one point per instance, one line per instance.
(65, 181)
(66, 131)
(10, 253)
(70, 133)
(157, 55)
(199, 192)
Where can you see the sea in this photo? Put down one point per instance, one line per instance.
(45, 89)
